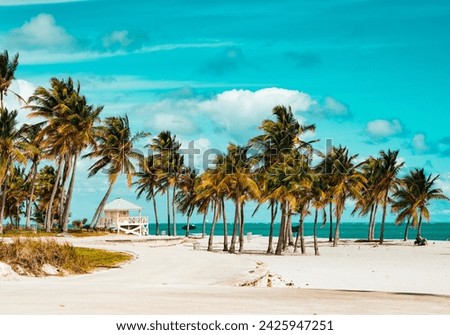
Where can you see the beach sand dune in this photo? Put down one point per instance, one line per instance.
(354, 278)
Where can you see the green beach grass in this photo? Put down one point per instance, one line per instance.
(30, 256)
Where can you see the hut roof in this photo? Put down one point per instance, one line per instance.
(120, 204)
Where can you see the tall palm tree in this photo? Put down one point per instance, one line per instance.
(345, 181)
(11, 150)
(147, 182)
(413, 196)
(371, 195)
(170, 165)
(210, 189)
(279, 138)
(29, 134)
(115, 153)
(389, 170)
(56, 105)
(241, 187)
(16, 195)
(7, 69)
(186, 195)
(319, 200)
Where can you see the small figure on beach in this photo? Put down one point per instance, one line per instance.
(420, 241)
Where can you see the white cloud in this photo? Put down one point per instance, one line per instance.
(419, 143)
(40, 32)
(240, 109)
(384, 128)
(118, 37)
(177, 124)
(335, 107)
(24, 89)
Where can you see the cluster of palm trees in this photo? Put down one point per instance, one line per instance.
(275, 168)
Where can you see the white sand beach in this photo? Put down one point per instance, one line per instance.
(353, 278)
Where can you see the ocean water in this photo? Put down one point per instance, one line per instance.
(439, 231)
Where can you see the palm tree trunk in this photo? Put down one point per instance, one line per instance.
(31, 196)
(204, 224)
(62, 192)
(156, 212)
(336, 230)
(188, 219)
(168, 212)
(289, 234)
(211, 232)
(372, 207)
(173, 212)
(405, 236)
(374, 223)
(235, 225)
(301, 232)
(316, 245)
(281, 235)
(287, 226)
(49, 215)
(383, 218)
(241, 227)
(2, 210)
(100, 207)
(225, 227)
(65, 222)
(273, 214)
(330, 236)
(419, 226)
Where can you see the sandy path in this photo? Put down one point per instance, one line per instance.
(180, 280)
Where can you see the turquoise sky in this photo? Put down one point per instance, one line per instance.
(372, 75)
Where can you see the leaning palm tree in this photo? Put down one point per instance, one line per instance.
(7, 69)
(115, 153)
(413, 197)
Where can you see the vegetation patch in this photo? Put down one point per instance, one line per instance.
(38, 257)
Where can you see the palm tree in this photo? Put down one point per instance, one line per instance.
(56, 105)
(413, 196)
(345, 181)
(186, 195)
(147, 181)
(29, 134)
(319, 200)
(389, 170)
(279, 138)
(11, 150)
(7, 69)
(115, 153)
(16, 195)
(241, 187)
(371, 195)
(170, 165)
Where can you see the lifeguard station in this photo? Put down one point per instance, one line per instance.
(116, 215)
